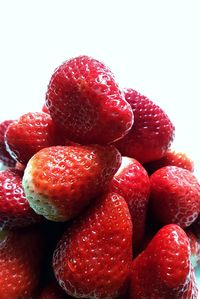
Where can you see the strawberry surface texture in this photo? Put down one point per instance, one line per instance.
(60, 181)
(29, 134)
(175, 196)
(5, 157)
(84, 99)
(163, 270)
(21, 256)
(93, 258)
(14, 207)
(95, 200)
(152, 132)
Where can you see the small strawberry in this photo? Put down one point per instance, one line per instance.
(171, 158)
(60, 181)
(195, 248)
(163, 269)
(84, 99)
(14, 207)
(93, 257)
(45, 109)
(175, 196)
(152, 132)
(5, 157)
(20, 261)
(29, 134)
(132, 182)
(53, 291)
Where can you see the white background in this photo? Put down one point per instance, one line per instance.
(152, 46)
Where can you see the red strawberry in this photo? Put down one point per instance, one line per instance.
(32, 132)
(152, 132)
(60, 181)
(132, 182)
(20, 261)
(195, 248)
(93, 257)
(171, 157)
(84, 99)
(175, 196)
(14, 207)
(163, 270)
(5, 157)
(45, 109)
(53, 291)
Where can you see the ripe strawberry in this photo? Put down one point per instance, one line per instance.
(84, 99)
(45, 109)
(53, 291)
(20, 261)
(93, 257)
(152, 132)
(60, 181)
(132, 182)
(195, 248)
(5, 157)
(14, 207)
(163, 269)
(171, 157)
(32, 132)
(175, 196)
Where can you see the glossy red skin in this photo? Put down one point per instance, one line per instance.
(21, 254)
(84, 99)
(163, 270)
(53, 291)
(175, 196)
(72, 176)
(93, 258)
(152, 131)
(28, 135)
(171, 158)
(132, 182)
(5, 157)
(14, 208)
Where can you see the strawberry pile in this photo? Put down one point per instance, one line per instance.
(94, 203)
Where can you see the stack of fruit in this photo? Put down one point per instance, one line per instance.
(94, 203)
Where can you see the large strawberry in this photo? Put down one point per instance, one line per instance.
(163, 270)
(152, 132)
(60, 181)
(5, 157)
(93, 257)
(175, 196)
(132, 182)
(29, 134)
(14, 207)
(84, 99)
(20, 262)
(170, 158)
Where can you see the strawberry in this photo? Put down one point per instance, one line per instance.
(93, 257)
(45, 109)
(20, 261)
(175, 196)
(14, 207)
(132, 182)
(29, 134)
(84, 99)
(163, 270)
(195, 248)
(61, 181)
(5, 157)
(53, 291)
(170, 158)
(152, 132)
